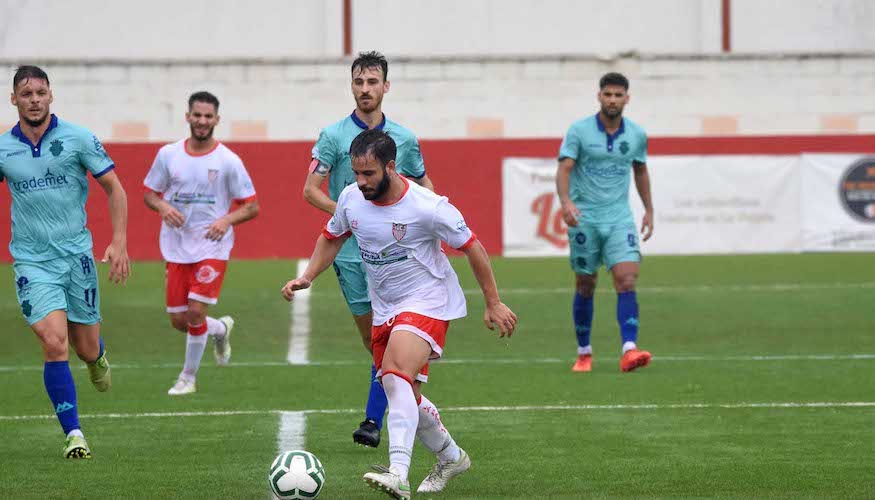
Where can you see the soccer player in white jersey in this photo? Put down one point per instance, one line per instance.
(414, 292)
(193, 184)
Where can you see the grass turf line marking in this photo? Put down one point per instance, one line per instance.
(591, 407)
(496, 361)
(299, 327)
(292, 434)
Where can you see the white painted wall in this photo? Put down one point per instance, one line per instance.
(441, 98)
(312, 29)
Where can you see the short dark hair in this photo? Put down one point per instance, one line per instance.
(28, 72)
(372, 59)
(375, 142)
(614, 79)
(203, 96)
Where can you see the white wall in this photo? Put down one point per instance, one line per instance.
(312, 29)
(475, 97)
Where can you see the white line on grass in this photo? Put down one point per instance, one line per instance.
(292, 434)
(299, 328)
(497, 361)
(487, 409)
(773, 287)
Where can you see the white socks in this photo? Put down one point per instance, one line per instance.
(584, 350)
(194, 351)
(432, 433)
(402, 421)
(628, 346)
(215, 327)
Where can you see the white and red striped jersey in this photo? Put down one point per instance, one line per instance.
(202, 187)
(400, 244)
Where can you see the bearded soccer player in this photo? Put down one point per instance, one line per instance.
(45, 161)
(595, 162)
(193, 184)
(331, 161)
(415, 294)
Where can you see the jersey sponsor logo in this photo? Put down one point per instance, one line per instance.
(193, 198)
(206, 274)
(212, 175)
(16, 153)
(57, 147)
(624, 147)
(612, 170)
(857, 190)
(399, 230)
(354, 224)
(46, 182)
(385, 257)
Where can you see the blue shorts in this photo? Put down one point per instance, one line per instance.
(593, 244)
(354, 285)
(65, 283)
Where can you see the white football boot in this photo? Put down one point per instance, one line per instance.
(388, 481)
(441, 473)
(183, 386)
(222, 345)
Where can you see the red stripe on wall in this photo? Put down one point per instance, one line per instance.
(467, 171)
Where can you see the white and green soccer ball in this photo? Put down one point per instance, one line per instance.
(296, 475)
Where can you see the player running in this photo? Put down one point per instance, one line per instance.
(45, 162)
(192, 184)
(415, 293)
(592, 180)
(331, 160)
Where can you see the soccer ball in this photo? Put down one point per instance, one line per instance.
(296, 475)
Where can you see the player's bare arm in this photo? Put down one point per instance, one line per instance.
(323, 255)
(497, 314)
(117, 251)
(642, 184)
(570, 213)
(424, 181)
(247, 211)
(313, 193)
(171, 216)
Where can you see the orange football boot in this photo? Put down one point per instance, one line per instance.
(583, 364)
(634, 359)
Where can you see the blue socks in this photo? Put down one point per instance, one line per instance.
(101, 348)
(582, 319)
(627, 316)
(377, 401)
(62, 392)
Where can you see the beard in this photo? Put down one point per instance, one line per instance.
(378, 191)
(612, 113)
(370, 105)
(201, 137)
(37, 122)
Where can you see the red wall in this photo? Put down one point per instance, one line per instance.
(468, 171)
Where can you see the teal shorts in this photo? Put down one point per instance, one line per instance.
(65, 283)
(354, 285)
(594, 244)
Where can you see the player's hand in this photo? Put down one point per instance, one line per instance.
(647, 226)
(291, 287)
(171, 216)
(499, 315)
(570, 213)
(119, 262)
(217, 229)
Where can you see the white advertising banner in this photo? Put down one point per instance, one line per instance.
(703, 205)
(838, 202)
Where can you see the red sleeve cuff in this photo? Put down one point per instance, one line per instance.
(330, 236)
(241, 201)
(468, 243)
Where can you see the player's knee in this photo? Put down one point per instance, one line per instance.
(625, 283)
(55, 347)
(585, 285)
(194, 318)
(179, 322)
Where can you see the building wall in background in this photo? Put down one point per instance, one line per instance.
(474, 97)
(221, 29)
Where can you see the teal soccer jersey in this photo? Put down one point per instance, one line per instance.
(49, 186)
(602, 171)
(332, 152)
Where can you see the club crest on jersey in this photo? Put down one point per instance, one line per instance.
(212, 175)
(354, 224)
(57, 147)
(399, 230)
(624, 147)
(206, 274)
